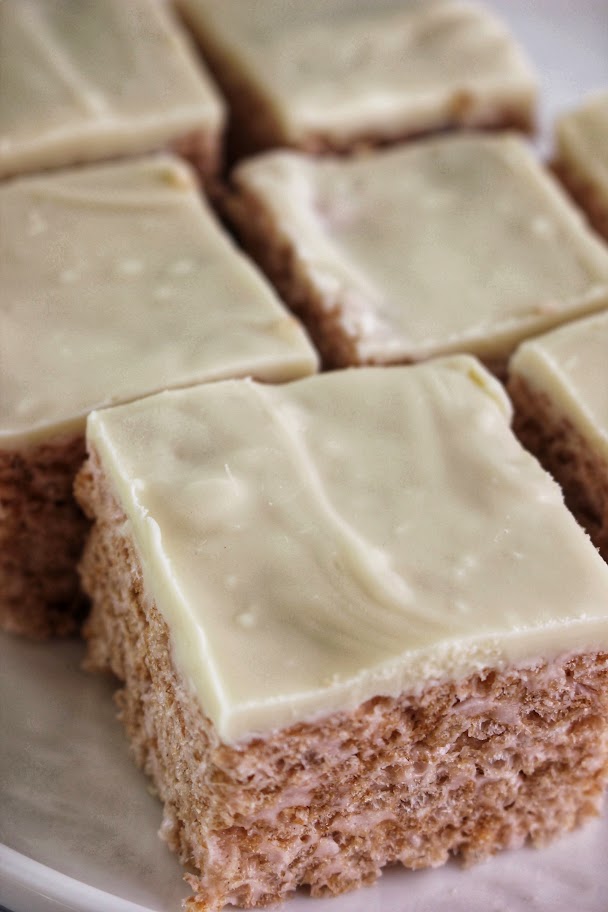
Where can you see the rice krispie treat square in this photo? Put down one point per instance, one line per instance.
(559, 385)
(354, 624)
(117, 282)
(84, 81)
(460, 243)
(333, 74)
(581, 157)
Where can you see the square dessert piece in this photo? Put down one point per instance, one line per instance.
(559, 384)
(581, 158)
(461, 243)
(348, 632)
(117, 282)
(87, 81)
(334, 74)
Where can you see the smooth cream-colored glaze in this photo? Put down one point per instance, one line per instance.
(356, 533)
(581, 138)
(85, 81)
(570, 365)
(117, 282)
(461, 243)
(344, 68)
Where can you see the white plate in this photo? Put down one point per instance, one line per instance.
(77, 823)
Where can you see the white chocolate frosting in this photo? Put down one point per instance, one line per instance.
(461, 243)
(90, 80)
(344, 68)
(581, 138)
(570, 365)
(356, 533)
(119, 282)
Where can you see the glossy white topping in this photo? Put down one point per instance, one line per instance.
(117, 281)
(570, 365)
(356, 533)
(582, 141)
(344, 68)
(458, 243)
(85, 81)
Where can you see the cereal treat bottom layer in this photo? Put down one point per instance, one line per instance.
(462, 243)
(581, 158)
(118, 282)
(115, 79)
(339, 641)
(42, 531)
(335, 74)
(559, 384)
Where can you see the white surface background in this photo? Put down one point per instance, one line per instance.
(77, 823)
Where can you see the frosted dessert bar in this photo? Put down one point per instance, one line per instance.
(335, 74)
(348, 633)
(460, 243)
(117, 282)
(559, 384)
(581, 157)
(87, 81)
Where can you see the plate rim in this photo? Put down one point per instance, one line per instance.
(28, 874)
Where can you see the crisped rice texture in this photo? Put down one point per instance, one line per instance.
(42, 532)
(465, 768)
